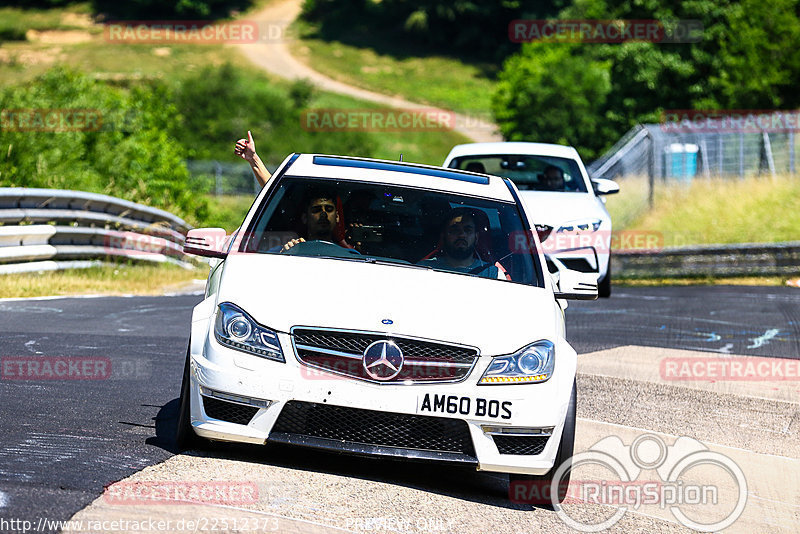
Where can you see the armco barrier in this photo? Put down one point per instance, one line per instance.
(50, 229)
(757, 259)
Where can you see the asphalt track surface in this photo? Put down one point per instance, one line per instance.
(63, 441)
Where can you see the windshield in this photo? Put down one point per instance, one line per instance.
(538, 173)
(397, 225)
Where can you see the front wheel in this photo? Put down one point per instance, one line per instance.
(535, 489)
(604, 286)
(185, 436)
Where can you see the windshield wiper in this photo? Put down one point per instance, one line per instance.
(384, 261)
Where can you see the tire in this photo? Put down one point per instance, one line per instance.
(185, 436)
(538, 493)
(604, 286)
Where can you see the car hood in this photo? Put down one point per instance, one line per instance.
(285, 291)
(546, 207)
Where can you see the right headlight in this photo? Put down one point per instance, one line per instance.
(235, 329)
(531, 364)
(580, 226)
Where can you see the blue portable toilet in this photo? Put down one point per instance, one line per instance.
(681, 161)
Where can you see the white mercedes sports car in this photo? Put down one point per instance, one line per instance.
(384, 308)
(554, 184)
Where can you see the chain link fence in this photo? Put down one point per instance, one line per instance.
(223, 178)
(650, 155)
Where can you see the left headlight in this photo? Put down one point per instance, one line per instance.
(235, 329)
(531, 364)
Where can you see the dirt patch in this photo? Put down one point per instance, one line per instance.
(58, 36)
(162, 51)
(77, 20)
(31, 57)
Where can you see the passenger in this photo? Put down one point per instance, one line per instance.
(458, 239)
(475, 166)
(553, 179)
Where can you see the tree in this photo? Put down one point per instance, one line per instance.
(553, 94)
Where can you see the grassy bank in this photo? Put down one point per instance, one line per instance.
(69, 37)
(772, 281)
(121, 279)
(398, 69)
(712, 211)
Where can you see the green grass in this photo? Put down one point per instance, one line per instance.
(15, 22)
(228, 211)
(124, 63)
(703, 281)
(712, 211)
(399, 69)
(120, 279)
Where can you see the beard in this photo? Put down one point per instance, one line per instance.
(459, 253)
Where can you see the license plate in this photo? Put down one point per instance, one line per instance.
(467, 406)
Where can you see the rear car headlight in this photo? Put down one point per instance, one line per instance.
(234, 328)
(533, 363)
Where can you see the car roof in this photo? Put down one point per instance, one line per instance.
(513, 147)
(400, 173)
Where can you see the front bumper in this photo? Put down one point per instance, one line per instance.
(271, 388)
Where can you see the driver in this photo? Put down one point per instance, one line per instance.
(320, 218)
(553, 178)
(459, 237)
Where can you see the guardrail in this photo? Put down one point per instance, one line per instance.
(50, 229)
(756, 259)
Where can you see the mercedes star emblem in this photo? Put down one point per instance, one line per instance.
(383, 360)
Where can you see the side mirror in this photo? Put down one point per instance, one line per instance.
(602, 186)
(573, 285)
(207, 242)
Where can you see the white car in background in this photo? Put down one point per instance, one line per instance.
(575, 209)
(369, 343)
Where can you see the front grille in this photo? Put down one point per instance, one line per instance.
(342, 352)
(530, 445)
(228, 411)
(369, 427)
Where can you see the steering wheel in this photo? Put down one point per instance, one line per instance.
(320, 248)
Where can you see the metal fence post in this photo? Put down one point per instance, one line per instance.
(651, 174)
(741, 155)
(218, 177)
